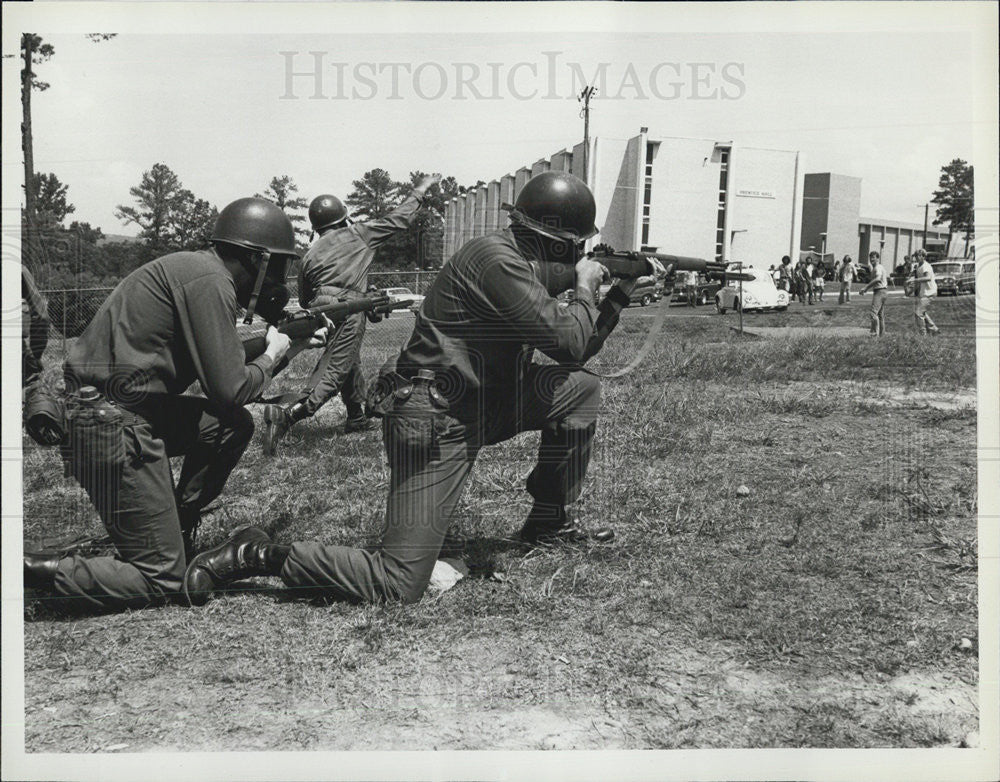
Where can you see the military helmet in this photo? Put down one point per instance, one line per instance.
(256, 224)
(326, 210)
(557, 205)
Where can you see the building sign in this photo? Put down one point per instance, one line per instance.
(755, 193)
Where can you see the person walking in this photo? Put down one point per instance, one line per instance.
(879, 286)
(925, 289)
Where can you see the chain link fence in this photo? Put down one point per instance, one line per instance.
(71, 309)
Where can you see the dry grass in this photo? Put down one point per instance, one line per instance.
(824, 609)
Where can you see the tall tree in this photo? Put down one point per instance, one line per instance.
(954, 199)
(157, 196)
(33, 52)
(374, 195)
(168, 215)
(191, 222)
(282, 191)
(48, 195)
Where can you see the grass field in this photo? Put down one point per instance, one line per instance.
(826, 608)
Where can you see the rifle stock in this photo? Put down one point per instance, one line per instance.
(304, 323)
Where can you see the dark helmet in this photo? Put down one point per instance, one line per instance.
(256, 224)
(326, 210)
(557, 205)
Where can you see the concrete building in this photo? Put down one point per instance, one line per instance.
(831, 210)
(699, 197)
(831, 204)
(893, 239)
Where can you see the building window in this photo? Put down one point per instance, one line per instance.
(647, 195)
(720, 233)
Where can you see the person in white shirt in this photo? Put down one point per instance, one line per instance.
(846, 277)
(878, 285)
(925, 290)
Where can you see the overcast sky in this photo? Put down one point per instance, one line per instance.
(218, 109)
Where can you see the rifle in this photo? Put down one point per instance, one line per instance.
(629, 264)
(304, 323)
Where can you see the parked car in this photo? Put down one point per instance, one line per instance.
(646, 291)
(955, 276)
(758, 291)
(405, 294)
(706, 293)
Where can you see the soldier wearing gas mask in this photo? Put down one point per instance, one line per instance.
(167, 324)
(464, 380)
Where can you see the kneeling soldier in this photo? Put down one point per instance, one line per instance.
(167, 324)
(464, 380)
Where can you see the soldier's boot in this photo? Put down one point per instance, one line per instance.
(248, 552)
(278, 420)
(549, 525)
(40, 570)
(360, 424)
(357, 421)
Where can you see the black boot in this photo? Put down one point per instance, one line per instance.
(278, 420)
(249, 552)
(549, 525)
(40, 570)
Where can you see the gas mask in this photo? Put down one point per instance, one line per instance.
(270, 294)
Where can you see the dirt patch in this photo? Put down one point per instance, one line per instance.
(884, 395)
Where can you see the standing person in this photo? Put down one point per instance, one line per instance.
(836, 269)
(785, 275)
(803, 279)
(878, 285)
(819, 280)
(691, 288)
(167, 324)
(925, 290)
(464, 380)
(847, 271)
(336, 267)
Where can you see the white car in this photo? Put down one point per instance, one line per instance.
(405, 294)
(758, 290)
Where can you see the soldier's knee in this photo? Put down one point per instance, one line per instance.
(242, 427)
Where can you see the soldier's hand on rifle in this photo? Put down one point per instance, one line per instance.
(277, 344)
(659, 270)
(316, 340)
(589, 276)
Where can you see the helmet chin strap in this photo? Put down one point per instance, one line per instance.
(261, 274)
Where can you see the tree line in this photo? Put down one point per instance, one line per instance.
(170, 218)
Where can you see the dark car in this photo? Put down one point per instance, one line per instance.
(706, 293)
(955, 276)
(646, 291)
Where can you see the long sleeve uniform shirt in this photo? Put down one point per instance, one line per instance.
(170, 322)
(484, 315)
(341, 258)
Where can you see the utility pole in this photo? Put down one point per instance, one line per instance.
(927, 207)
(584, 97)
(29, 163)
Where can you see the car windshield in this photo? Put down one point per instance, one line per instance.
(947, 268)
(969, 267)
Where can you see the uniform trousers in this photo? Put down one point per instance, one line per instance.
(122, 461)
(339, 370)
(431, 453)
